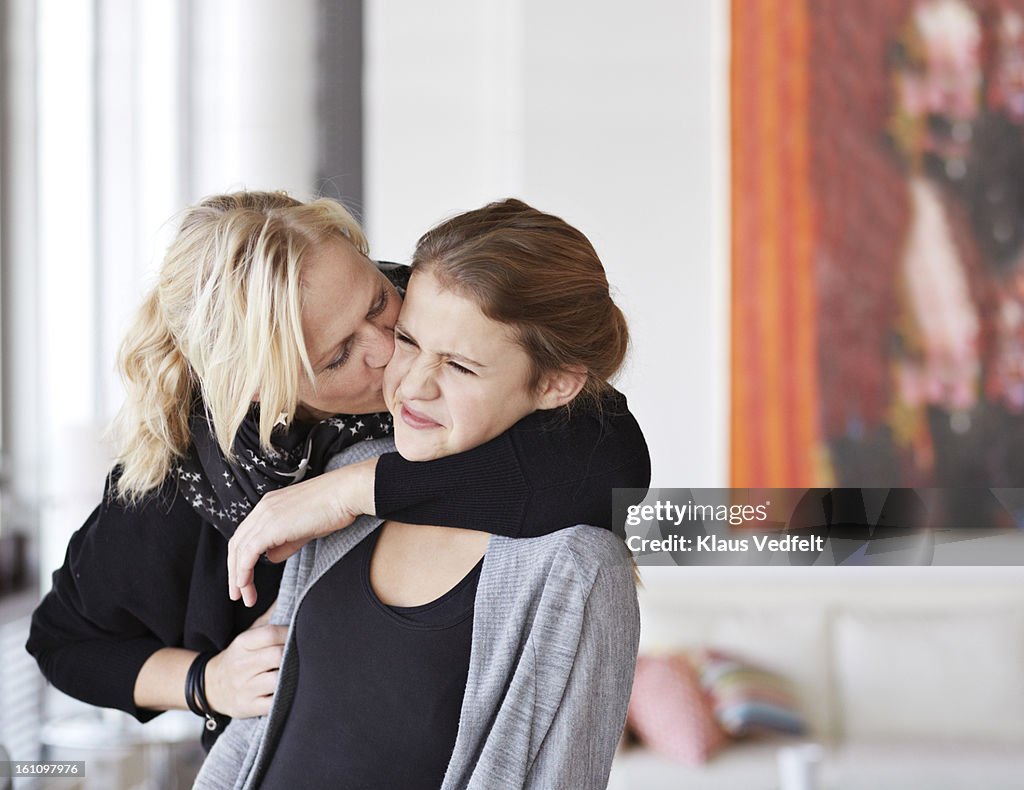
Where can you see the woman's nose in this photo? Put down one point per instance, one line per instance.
(380, 346)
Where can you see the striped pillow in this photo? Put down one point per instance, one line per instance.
(746, 698)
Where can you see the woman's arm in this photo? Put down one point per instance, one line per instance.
(115, 600)
(287, 519)
(545, 473)
(161, 680)
(104, 632)
(240, 680)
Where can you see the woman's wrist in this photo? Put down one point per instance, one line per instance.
(364, 480)
(214, 688)
(354, 490)
(161, 681)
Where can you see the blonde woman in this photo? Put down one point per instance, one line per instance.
(259, 354)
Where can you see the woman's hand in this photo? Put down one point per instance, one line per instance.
(287, 519)
(242, 678)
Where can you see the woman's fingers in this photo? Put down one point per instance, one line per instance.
(234, 593)
(264, 530)
(266, 659)
(246, 557)
(249, 595)
(260, 637)
(258, 535)
(265, 683)
(283, 521)
(239, 678)
(244, 550)
(285, 550)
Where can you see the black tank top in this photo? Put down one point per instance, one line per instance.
(380, 687)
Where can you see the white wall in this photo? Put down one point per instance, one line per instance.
(188, 99)
(603, 113)
(253, 102)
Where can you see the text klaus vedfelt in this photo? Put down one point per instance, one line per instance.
(673, 543)
(735, 514)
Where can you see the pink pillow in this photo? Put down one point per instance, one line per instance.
(671, 713)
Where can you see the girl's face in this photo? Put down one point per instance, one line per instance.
(349, 311)
(457, 378)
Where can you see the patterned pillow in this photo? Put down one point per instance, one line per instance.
(669, 711)
(746, 698)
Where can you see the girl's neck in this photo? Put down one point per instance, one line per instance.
(413, 564)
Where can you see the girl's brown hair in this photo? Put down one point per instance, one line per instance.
(537, 273)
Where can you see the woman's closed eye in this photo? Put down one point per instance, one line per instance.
(342, 358)
(381, 304)
(378, 308)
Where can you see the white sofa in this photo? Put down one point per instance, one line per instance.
(911, 677)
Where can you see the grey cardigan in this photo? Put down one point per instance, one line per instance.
(555, 633)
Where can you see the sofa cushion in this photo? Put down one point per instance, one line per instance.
(670, 713)
(792, 642)
(747, 699)
(956, 676)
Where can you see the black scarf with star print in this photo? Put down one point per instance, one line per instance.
(223, 492)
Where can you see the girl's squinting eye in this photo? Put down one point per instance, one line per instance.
(405, 339)
(460, 368)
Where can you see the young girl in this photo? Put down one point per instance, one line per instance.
(426, 657)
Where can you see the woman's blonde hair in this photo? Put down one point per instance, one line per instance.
(223, 323)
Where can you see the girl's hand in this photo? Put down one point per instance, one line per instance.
(287, 519)
(242, 678)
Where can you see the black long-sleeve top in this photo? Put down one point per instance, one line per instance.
(139, 578)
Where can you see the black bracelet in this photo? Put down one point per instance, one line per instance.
(195, 690)
(190, 685)
(211, 717)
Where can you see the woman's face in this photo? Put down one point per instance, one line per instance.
(457, 378)
(348, 317)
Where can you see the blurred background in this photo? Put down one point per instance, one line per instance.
(812, 214)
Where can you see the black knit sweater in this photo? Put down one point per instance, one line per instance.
(136, 579)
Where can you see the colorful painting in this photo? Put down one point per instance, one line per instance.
(877, 243)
